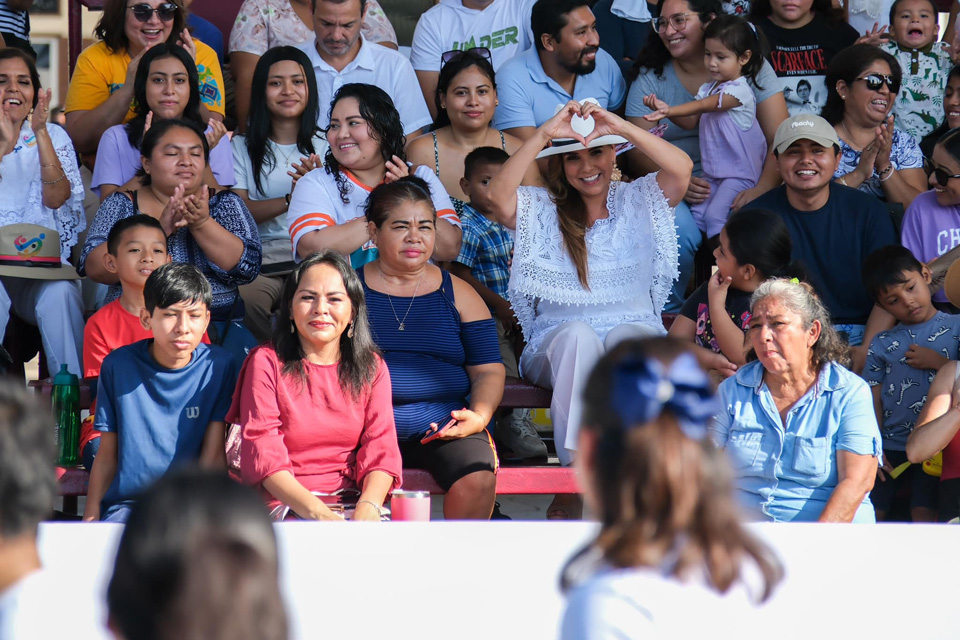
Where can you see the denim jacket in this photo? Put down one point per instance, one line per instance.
(788, 473)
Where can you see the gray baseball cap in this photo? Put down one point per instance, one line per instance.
(804, 127)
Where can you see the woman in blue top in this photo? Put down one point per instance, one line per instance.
(799, 428)
(440, 345)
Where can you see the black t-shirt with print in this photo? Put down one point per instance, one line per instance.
(800, 58)
(697, 308)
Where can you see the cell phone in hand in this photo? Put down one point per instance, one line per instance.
(432, 435)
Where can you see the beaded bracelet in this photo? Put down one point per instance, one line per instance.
(372, 504)
(63, 174)
(888, 172)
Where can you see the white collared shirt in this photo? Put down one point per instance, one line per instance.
(378, 66)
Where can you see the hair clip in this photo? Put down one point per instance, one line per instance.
(795, 280)
(643, 388)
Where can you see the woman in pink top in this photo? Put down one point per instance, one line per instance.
(314, 405)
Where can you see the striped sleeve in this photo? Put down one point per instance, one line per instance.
(310, 208)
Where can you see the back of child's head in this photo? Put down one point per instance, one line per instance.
(482, 156)
(173, 283)
(886, 267)
(197, 559)
(740, 37)
(760, 237)
(896, 6)
(658, 485)
(131, 222)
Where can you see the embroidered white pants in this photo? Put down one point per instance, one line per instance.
(563, 362)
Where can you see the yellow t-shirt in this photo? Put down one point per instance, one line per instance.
(100, 72)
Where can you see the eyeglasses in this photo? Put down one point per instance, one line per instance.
(942, 177)
(677, 21)
(876, 80)
(143, 12)
(478, 53)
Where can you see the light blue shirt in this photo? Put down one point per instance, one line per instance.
(529, 97)
(788, 474)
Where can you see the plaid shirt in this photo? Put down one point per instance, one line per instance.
(486, 248)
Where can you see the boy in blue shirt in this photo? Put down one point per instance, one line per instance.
(901, 364)
(161, 402)
(484, 263)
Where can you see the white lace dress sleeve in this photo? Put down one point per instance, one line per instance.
(631, 262)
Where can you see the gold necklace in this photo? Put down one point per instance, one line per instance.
(850, 138)
(415, 291)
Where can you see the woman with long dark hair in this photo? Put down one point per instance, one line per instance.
(366, 148)
(314, 405)
(670, 541)
(166, 87)
(465, 101)
(100, 94)
(281, 133)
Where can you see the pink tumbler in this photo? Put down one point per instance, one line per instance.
(410, 506)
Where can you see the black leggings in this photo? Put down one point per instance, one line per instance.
(949, 499)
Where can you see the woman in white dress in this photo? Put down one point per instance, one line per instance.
(594, 258)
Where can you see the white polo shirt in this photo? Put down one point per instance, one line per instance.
(503, 27)
(378, 66)
(316, 204)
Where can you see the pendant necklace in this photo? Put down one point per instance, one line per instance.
(389, 299)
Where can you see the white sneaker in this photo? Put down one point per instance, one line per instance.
(518, 433)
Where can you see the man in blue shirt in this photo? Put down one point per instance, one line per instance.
(833, 228)
(566, 63)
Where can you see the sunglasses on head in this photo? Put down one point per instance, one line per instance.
(876, 80)
(143, 12)
(942, 177)
(479, 53)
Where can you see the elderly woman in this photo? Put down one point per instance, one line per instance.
(440, 345)
(39, 185)
(799, 428)
(875, 157)
(314, 405)
(100, 94)
(465, 101)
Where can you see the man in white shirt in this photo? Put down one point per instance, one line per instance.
(502, 26)
(340, 55)
(33, 603)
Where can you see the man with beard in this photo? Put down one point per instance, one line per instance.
(341, 55)
(566, 63)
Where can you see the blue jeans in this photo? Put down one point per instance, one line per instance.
(688, 241)
(117, 513)
(89, 453)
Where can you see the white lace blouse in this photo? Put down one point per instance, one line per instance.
(631, 260)
(21, 189)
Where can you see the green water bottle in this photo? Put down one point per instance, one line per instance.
(66, 412)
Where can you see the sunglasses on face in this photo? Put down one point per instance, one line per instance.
(478, 53)
(143, 12)
(942, 177)
(875, 81)
(677, 21)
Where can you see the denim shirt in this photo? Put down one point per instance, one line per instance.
(788, 474)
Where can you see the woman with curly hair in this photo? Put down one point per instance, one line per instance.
(366, 149)
(800, 429)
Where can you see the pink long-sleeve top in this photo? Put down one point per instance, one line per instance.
(315, 430)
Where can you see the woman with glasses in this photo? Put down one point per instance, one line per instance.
(100, 94)
(875, 157)
(931, 226)
(465, 99)
(672, 66)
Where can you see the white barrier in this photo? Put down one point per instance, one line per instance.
(499, 579)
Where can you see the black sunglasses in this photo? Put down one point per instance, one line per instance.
(942, 177)
(143, 12)
(479, 53)
(876, 80)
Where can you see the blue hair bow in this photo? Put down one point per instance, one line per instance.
(643, 388)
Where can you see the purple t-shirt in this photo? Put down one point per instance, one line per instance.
(117, 161)
(930, 230)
